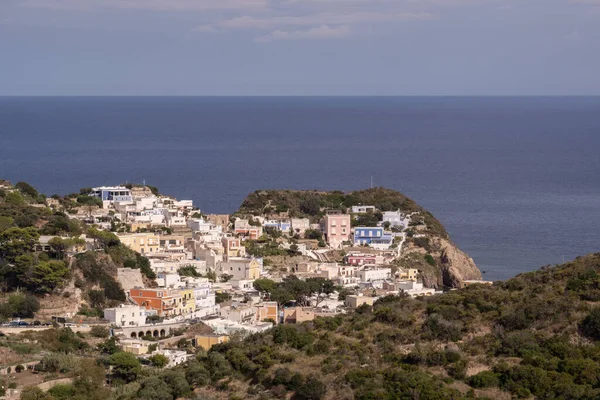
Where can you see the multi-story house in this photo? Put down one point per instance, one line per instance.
(221, 220)
(267, 310)
(395, 218)
(166, 302)
(242, 268)
(373, 275)
(127, 315)
(172, 243)
(375, 237)
(111, 194)
(143, 243)
(242, 227)
(233, 247)
(188, 300)
(336, 228)
(300, 225)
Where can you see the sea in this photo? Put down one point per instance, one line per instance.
(515, 180)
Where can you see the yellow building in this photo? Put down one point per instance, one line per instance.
(136, 347)
(143, 243)
(208, 340)
(188, 301)
(409, 274)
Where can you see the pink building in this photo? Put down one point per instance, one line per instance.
(336, 228)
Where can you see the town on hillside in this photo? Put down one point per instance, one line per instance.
(189, 278)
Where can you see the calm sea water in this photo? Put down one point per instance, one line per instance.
(516, 181)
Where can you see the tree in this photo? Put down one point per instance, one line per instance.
(293, 251)
(34, 393)
(313, 234)
(159, 360)
(321, 287)
(264, 285)
(20, 305)
(196, 374)
(109, 346)
(125, 366)
(27, 189)
(17, 241)
(590, 326)
(312, 389)
(15, 199)
(154, 388)
(46, 276)
(105, 239)
(310, 206)
(6, 222)
(226, 277)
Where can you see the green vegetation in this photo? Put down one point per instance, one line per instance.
(293, 289)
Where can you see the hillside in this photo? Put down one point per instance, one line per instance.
(428, 246)
(85, 283)
(535, 335)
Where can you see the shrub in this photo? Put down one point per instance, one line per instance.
(99, 331)
(590, 326)
(484, 379)
(312, 389)
(430, 260)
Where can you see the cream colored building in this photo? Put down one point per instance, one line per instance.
(354, 301)
(143, 243)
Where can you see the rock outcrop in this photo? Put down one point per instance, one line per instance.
(456, 265)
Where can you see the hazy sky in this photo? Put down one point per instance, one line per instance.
(299, 47)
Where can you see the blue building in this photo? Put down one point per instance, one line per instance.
(112, 193)
(375, 237)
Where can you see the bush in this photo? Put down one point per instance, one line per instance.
(430, 260)
(99, 331)
(484, 379)
(312, 389)
(590, 326)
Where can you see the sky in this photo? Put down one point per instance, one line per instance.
(299, 47)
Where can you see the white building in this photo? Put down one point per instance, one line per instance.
(372, 275)
(395, 218)
(168, 280)
(362, 209)
(226, 327)
(205, 298)
(414, 289)
(175, 357)
(127, 315)
(300, 225)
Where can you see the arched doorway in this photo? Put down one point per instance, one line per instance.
(133, 335)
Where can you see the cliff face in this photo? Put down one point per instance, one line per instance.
(456, 265)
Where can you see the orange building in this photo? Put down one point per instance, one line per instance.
(165, 302)
(266, 310)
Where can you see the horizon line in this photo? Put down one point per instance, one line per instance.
(297, 95)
